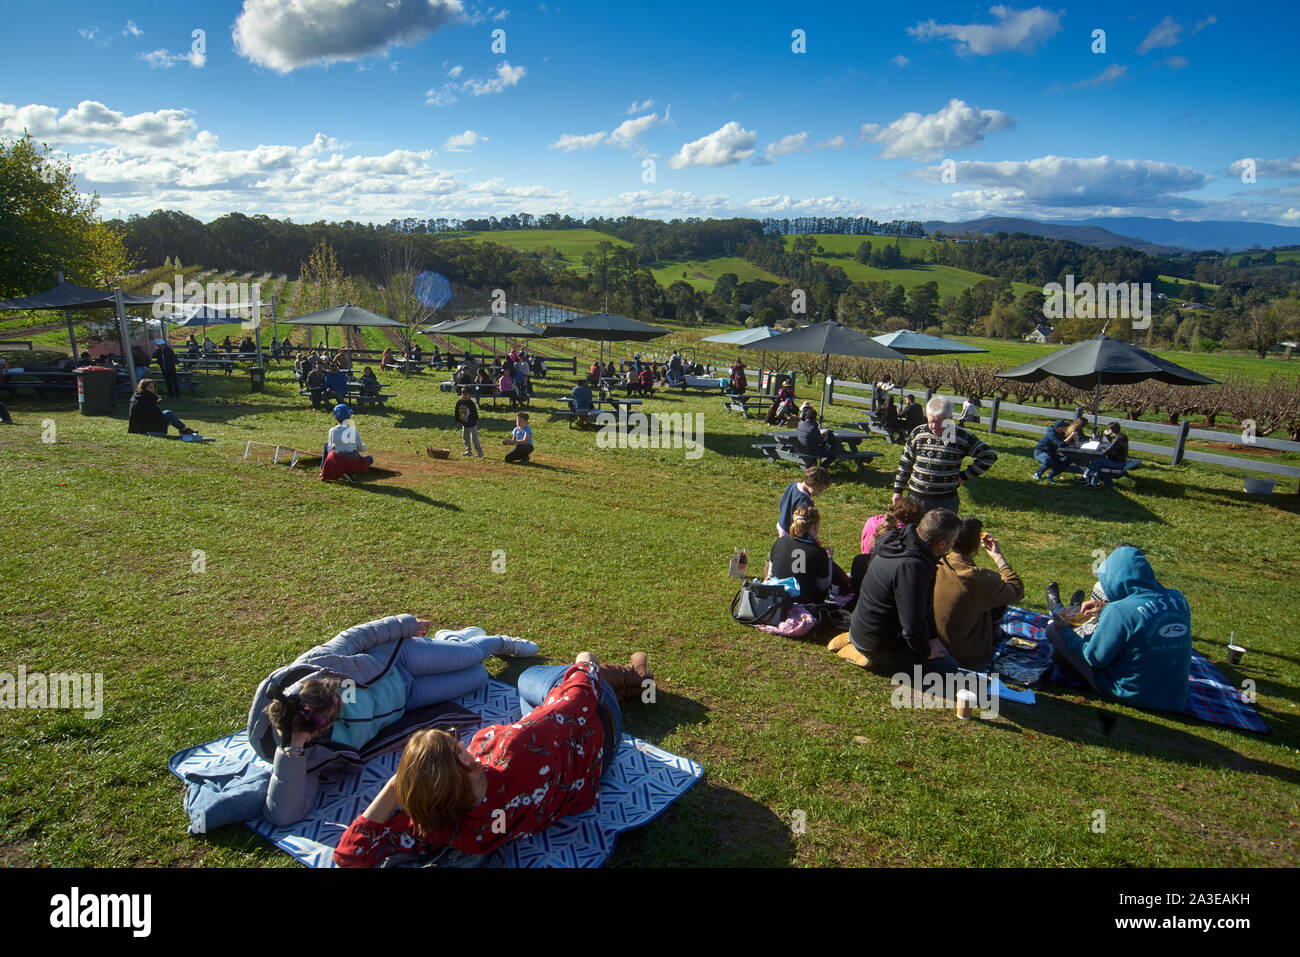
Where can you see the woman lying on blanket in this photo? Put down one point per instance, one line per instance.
(513, 780)
(367, 678)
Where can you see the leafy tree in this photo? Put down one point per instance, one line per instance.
(47, 227)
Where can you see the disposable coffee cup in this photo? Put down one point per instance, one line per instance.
(965, 704)
(1234, 654)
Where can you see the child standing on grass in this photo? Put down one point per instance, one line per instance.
(467, 418)
(522, 440)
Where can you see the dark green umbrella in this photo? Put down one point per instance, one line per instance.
(604, 327)
(827, 339)
(344, 315)
(1103, 360)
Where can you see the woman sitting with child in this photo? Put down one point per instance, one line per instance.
(513, 780)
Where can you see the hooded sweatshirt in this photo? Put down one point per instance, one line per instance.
(895, 612)
(1141, 650)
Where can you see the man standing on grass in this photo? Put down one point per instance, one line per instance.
(166, 357)
(930, 468)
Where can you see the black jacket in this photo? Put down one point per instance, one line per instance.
(166, 357)
(895, 611)
(467, 414)
(144, 415)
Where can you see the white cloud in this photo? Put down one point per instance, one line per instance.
(1108, 75)
(794, 143)
(1065, 182)
(628, 133)
(163, 59)
(284, 35)
(834, 143)
(1175, 62)
(572, 141)
(92, 34)
(725, 146)
(914, 135)
(455, 71)
(92, 122)
(463, 142)
(1164, 34)
(1288, 166)
(639, 107)
(1020, 30)
(900, 61)
(131, 30)
(824, 205)
(507, 76)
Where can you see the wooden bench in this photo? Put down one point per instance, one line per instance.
(746, 404)
(781, 453)
(578, 417)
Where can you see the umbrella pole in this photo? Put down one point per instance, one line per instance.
(72, 336)
(826, 365)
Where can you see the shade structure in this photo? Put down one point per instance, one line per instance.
(489, 325)
(1100, 361)
(605, 327)
(68, 296)
(919, 344)
(827, 339)
(744, 336)
(346, 315)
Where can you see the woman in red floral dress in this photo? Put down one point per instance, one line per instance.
(513, 780)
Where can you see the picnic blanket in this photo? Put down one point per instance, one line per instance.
(639, 786)
(1210, 696)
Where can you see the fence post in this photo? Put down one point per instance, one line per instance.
(993, 414)
(1181, 441)
(929, 393)
(1078, 411)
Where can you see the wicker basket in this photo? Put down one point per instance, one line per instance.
(439, 453)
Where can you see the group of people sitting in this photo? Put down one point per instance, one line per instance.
(193, 350)
(1063, 434)
(920, 600)
(512, 375)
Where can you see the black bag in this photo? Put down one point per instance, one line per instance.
(759, 604)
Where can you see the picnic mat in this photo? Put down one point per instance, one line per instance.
(1210, 697)
(639, 786)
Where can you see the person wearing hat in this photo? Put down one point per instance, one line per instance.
(165, 356)
(343, 449)
(1048, 451)
(1116, 453)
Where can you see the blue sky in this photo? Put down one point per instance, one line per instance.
(371, 109)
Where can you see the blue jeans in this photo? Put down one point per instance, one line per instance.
(440, 669)
(1053, 465)
(174, 419)
(1093, 472)
(536, 683)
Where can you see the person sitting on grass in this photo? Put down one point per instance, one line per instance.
(513, 780)
(343, 448)
(144, 416)
(893, 630)
(336, 384)
(968, 600)
(1140, 649)
(467, 418)
(1048, 451)
(782, 404)
(815, 481)
(368, 677)
(801, 556)
(1115, 453)
(522, 440)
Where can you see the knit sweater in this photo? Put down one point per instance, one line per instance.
(930, 467)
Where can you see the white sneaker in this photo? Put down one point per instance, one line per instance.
(518, 647)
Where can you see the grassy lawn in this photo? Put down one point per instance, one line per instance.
(613, 551)
(569, 243)
(703, 273)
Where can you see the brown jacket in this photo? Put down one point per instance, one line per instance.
(964, 598)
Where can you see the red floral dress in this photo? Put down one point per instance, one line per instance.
(541, 768)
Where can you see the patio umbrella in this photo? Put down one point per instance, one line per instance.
(346, 315)
(919, 344)
(744, 336)
(1092, 362)
(604, 327)
(827, 339)
(185, 314)
(489, 325)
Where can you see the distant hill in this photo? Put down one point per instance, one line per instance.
(1087, 235)
(1209, 234)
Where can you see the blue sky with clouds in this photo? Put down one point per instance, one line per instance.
(374, 109)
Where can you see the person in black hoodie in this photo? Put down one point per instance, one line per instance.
(144, 416)
(166, 358)
(467, 418)
(893, 628)
(812, 439)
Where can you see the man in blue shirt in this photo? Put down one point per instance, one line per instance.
(1048, 451)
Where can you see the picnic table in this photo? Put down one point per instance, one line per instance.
(356, 397)
(204, 363)
(411, 365)
(786, 448)
(1080, 458)
(746, 405)
(42, 382)
(611, 406)
(480, 391)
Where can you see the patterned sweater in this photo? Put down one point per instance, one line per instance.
(543, 767)
(930, 466)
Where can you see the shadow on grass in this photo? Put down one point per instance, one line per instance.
(1101, 504)
(1096, 722)
(740, 445)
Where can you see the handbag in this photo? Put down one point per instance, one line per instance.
(759, 604)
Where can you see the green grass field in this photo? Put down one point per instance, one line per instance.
(572, 244)
(612, 551)
(703, 273)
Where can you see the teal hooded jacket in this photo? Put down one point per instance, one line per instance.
(1141, 650)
